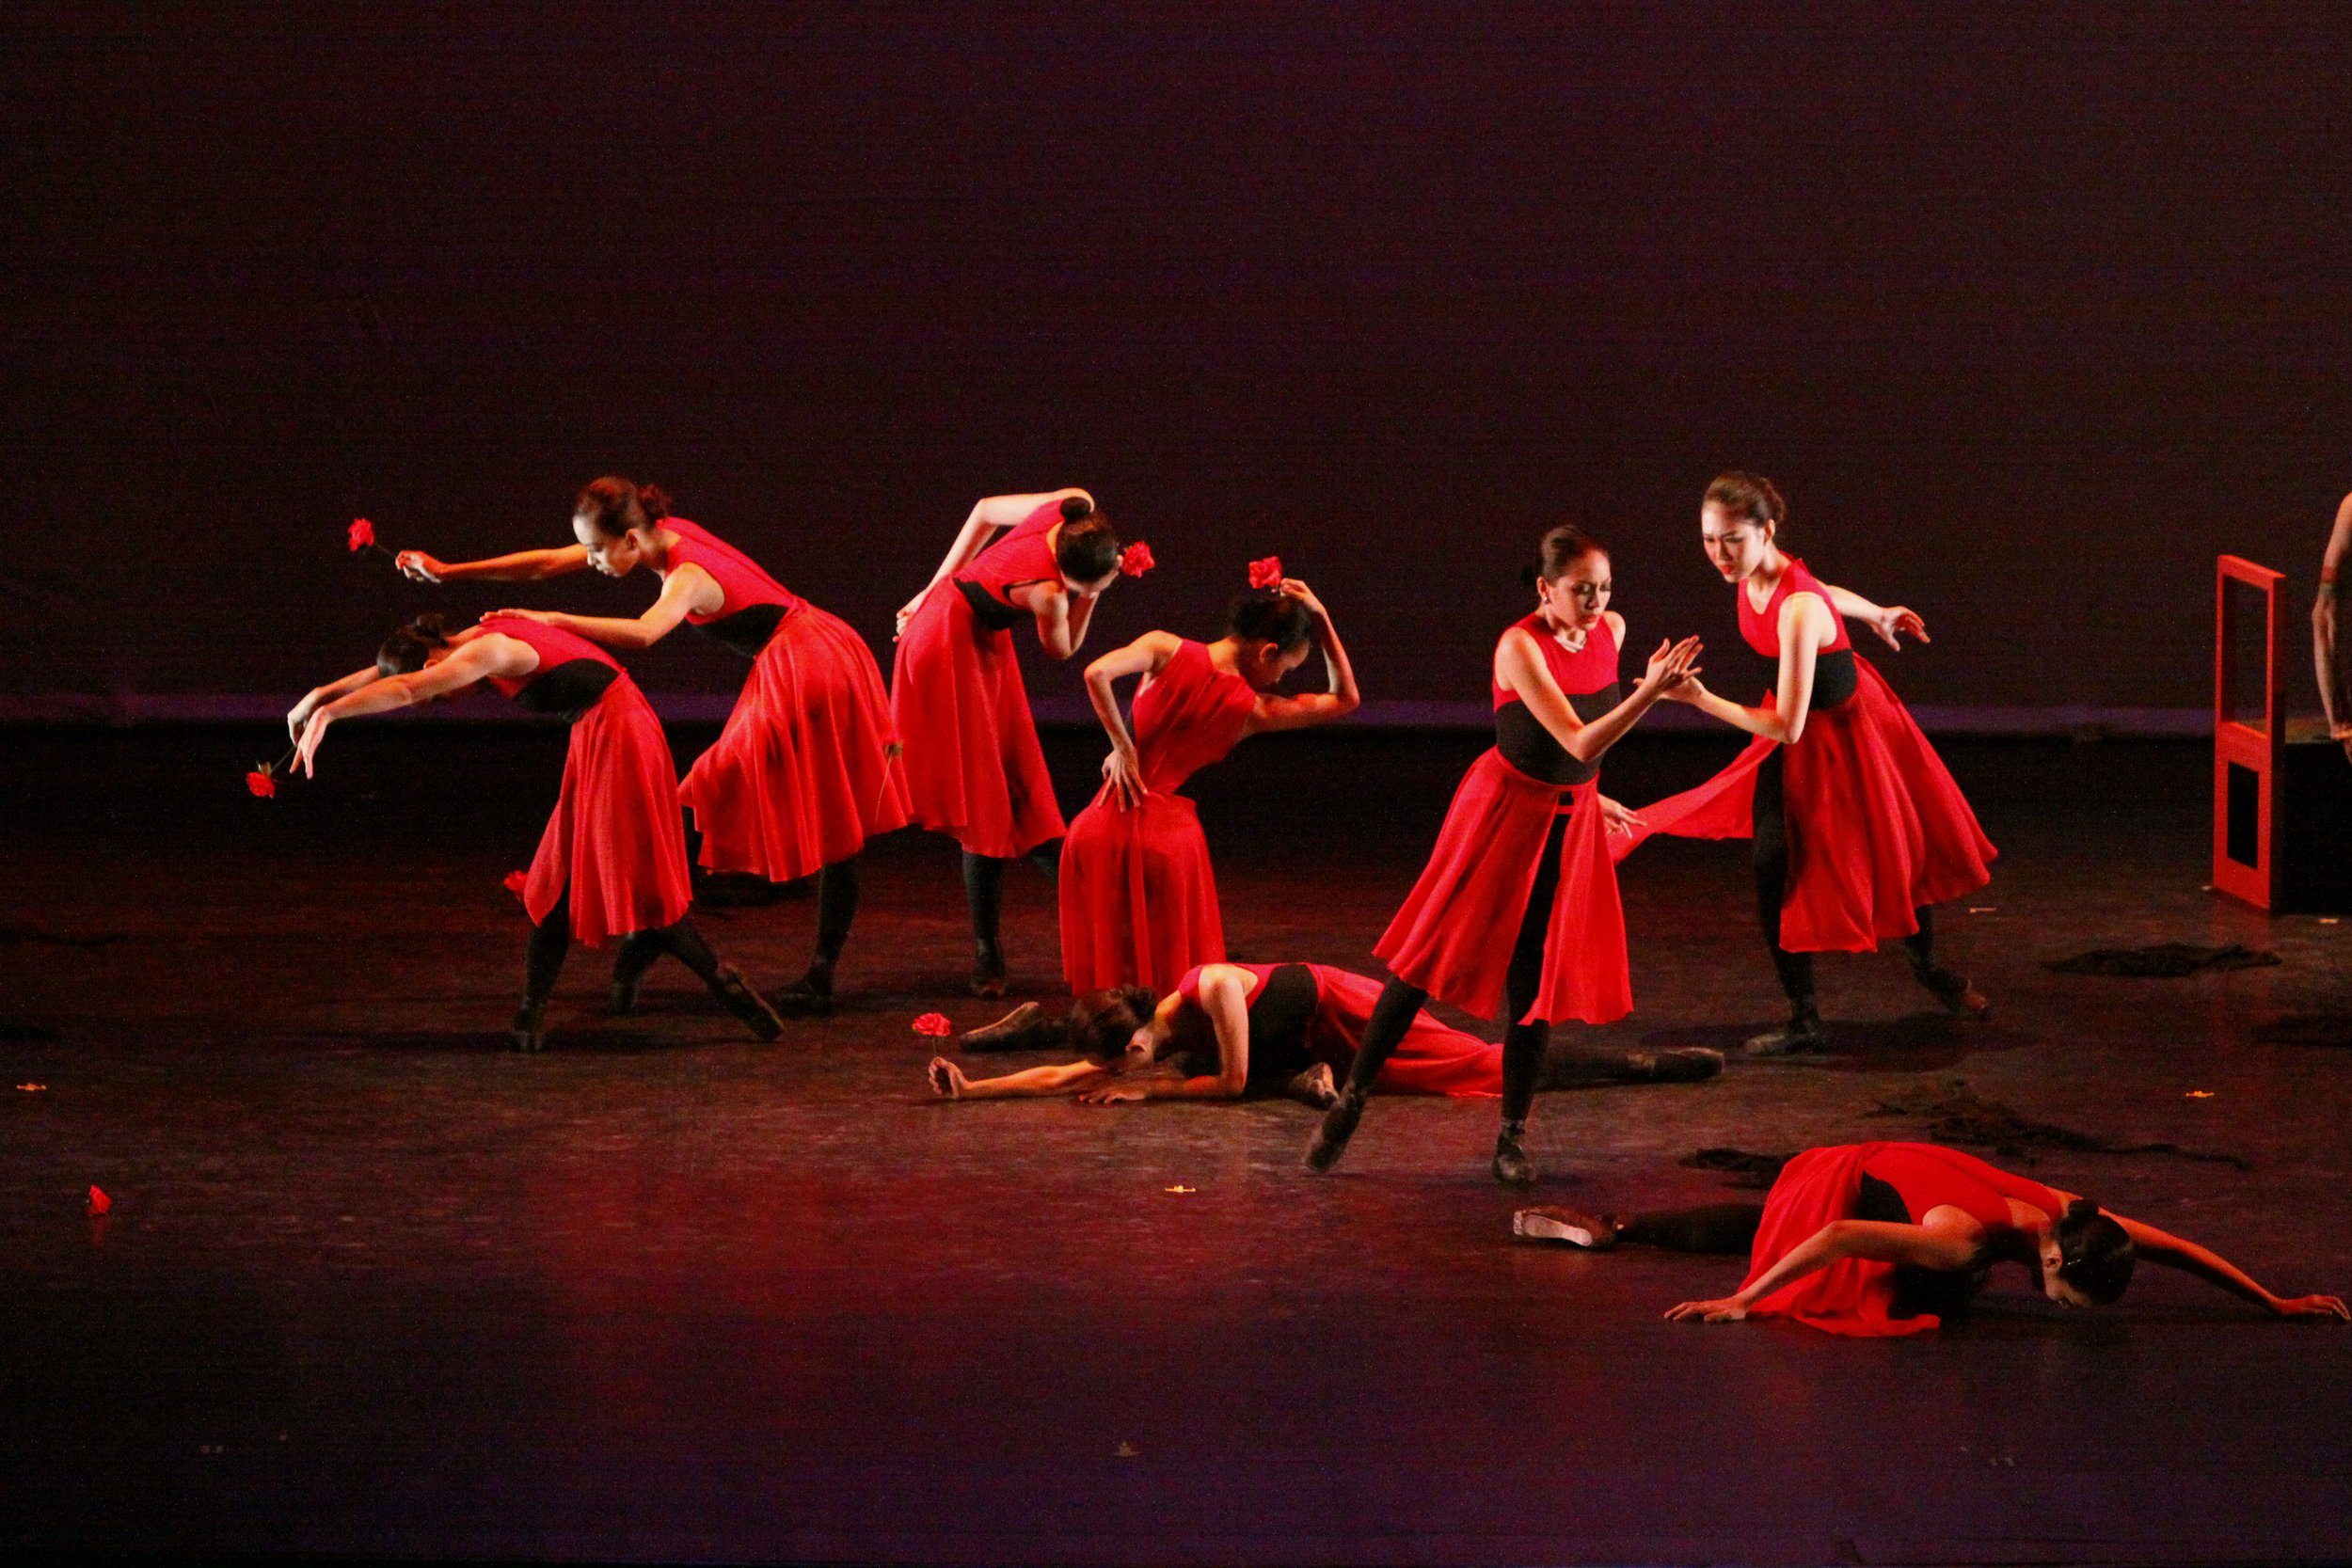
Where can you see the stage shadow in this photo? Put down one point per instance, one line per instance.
(472, 1043)
(1917, 1042)
(2323, 1029)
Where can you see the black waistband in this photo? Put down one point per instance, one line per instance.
(569, 689)
(1526, 745)
(1279, 1017)
(1835, 678)
(1918, 1289)
(747, 629)
(987, 609)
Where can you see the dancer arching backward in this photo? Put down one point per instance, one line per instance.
(1893, 1238)
(1858, 829)
(1139, 901)
(1235, 1031)
(974, 767)
(803, 774)
(613, 860)
(1519, 899)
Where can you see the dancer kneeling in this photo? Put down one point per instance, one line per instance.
(1897, 1238)
(1236, 1031)
(613, 860)
(1139, 900)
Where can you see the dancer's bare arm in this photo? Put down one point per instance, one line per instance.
(1224, 993)
(318, 696)
(1312, 707)
(949, 1082)
(687, 589)
(1147, 654)
(990, 516)
(1929, 1247)
(521, 566)
(1892, 622)
(473, 662)
(2175, 1252)
(1521, 669)
(1806, 627)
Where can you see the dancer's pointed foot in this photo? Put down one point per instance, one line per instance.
(1960, 998)
(736, 994)
(1016, 1031)
(1800, 1034)
(1339, 1125)
(1314, 1087)
(1513, 1169)
(810, 996)
(531, 1025)
(1553, 1222)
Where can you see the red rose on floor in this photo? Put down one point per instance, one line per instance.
(98, 1201)
(362, 534)
(261, 782)
(516, 882)
(934, 1024)
(1266, 573)
(1136, 559)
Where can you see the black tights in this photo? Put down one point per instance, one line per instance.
(1715, 1228)
(1523, 1044)
(836, 909)
(1771, 888)
(551, 939)
(984, 891)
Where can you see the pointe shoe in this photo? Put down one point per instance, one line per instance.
(1314, 1087)
(736, 994)
(1801, 1034)
(1558, 1222)
(1339, 1125)
(531, 1026)
(1960, 998)
(1016, 1031)
(810, 996)
(1513, 1169)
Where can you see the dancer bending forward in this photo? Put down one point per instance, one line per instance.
(1139, 900)
(1233, 1031)
(974, 769)
(1858, 829)
(1519, 899)
(803, 774)
(613, 860)
(1895, 1238)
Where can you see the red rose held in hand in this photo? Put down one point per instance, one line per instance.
(259, 782)
(1266, 573)
(934, 1024)
(362, 534)
(1136, 559)
(516, 882)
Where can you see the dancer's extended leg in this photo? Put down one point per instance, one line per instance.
(1524, 1042)
(1392, 1016)
(836, 911)
(984, 891)
(1803, 1029)
(543, 963)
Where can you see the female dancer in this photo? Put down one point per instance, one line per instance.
(1521, 898)
(1894, 1238)
(974, 766)
(1858, 828)
(1232, 1030)
(613, 860)
(803, 774)
(1139, 900)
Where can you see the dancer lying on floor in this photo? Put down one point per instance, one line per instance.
(1237, 1031)
(613, 860)
(1895, 1238)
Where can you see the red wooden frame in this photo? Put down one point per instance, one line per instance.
(2261, 751)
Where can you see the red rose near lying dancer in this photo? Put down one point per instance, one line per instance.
(613, 860)
(1520, 898)
(1858, 826)
(1138, 900)
(1237, 1031)
(1882, 1239)
(974, 767)
(803, 774)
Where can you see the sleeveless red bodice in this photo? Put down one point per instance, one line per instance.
(1931, 1177)
(555, 647)
(1188, 716)
(739, 576)
(1021, 556)
(1583, 673)
(1761, 627)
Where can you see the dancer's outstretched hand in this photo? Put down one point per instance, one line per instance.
(1728, 1310)
(313, 732)
(1112, 1094)
(1123, 772)
(545, 617)
(1894, 623)
(299, 715)
(1687, 690)
(1618, 818)
(2311, 1306)
(419, 567)
(1672, 663)
(948, 1080)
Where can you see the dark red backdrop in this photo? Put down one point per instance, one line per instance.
(2031, 308)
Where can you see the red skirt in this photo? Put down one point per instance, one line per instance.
(1139, 900)
(803, 774)
(1453, 937)
(616, 840)
(1851, 1296)
(974, 768)
(1877, 829)
(1430, 1059)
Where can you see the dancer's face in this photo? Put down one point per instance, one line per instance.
(1736, 544)
(614, 558)
(2052, 1286)
(1577, 596)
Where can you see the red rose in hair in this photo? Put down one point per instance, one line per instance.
(1266, 573)
(98, 1201)
(362, 534)
(516, 882)
(1136, 559)
(260, 783)
(934, 1024)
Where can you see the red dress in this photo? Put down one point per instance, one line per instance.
(1853, 1296)
(1877, 829)
(1453, 937)
(1430, 1059)
(615, 840)
(803, 774)
(974, 768)
(1139, 900)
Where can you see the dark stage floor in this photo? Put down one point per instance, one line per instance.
(372, 1285)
